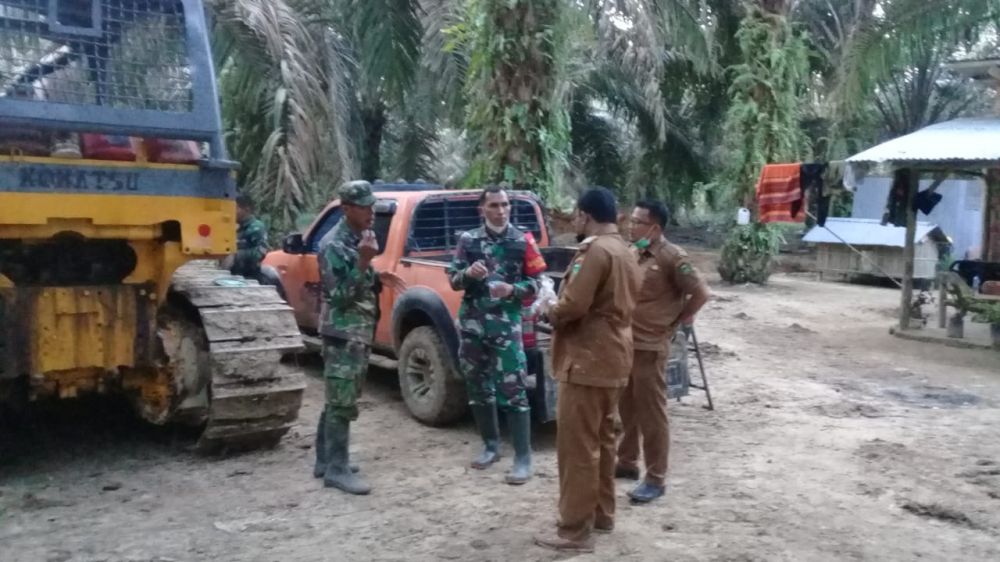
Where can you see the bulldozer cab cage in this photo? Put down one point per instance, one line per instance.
(122, 67)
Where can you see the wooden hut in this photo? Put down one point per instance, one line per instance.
(958, 148)
(865, 247)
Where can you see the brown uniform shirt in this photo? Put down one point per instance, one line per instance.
(667, 278)
(592, 321)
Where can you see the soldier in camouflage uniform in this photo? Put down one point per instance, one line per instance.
(497, 266)
(347, 324)
(251, 240)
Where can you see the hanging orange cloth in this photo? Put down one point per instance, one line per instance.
(779, 194)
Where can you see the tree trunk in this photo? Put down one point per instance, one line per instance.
(778, 7)
(373, 119)
(511, 91)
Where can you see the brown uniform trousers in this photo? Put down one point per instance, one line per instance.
(643, 410)
(591, 358)
(667, 278)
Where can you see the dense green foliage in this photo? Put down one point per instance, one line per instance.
(679, 99)
(746, 255)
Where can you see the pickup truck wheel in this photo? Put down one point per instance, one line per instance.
(432, 391)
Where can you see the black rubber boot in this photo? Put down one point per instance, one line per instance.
(489, 429)
(520, 435)
(338, 470)
(320, 468)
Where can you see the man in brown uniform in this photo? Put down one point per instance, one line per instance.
(672, 293)
(591, 358)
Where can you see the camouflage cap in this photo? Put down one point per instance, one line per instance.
(357, 192)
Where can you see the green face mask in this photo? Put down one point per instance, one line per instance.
(642, 243)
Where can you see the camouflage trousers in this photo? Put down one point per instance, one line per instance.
(492, 361)
(345, 364)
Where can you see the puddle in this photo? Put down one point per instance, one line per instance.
(940, 513)
(932, 397)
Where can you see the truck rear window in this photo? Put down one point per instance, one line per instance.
(437, 223)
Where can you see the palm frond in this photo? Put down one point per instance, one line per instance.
(387, 35)
(887, 42)
(597, 141)
(410, 145)
(445, 54)
(642, 35)
(275, 100)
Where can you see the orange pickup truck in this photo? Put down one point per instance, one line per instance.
(417, 228)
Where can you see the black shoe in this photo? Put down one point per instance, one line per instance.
(489, 429)
(628, 473)
(338, 470)
(520, 434)
(645, 493)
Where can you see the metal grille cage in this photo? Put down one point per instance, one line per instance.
(129, 54)
(438, 223)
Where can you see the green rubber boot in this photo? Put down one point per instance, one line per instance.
(520, 435)
(489, 429)
(338, 470)
(320, 468)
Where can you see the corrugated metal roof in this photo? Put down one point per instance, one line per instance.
(972, 140)
(869, 232)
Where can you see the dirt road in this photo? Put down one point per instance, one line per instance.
(832, 440)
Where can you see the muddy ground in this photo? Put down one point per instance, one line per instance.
(832, 440)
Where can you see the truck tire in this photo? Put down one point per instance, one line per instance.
(431, 389)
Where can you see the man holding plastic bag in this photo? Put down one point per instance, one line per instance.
(496, 265)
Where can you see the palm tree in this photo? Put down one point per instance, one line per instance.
(284, 85)
(875, 50)
(544, 119)
(923, 92)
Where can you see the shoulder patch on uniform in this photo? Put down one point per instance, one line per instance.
(534, 263)
(685, 269)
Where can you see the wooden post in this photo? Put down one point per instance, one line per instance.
(942, 300)
(913, 185)
(991, 216)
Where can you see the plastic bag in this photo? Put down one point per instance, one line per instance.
(546, 296)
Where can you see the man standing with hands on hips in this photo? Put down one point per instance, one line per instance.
(672, 293)
(591, 359)
(496, 265)
(347, 323)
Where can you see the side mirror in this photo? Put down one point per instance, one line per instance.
(293, 244)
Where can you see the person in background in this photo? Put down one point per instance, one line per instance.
(591, 359)
(251, 240)
(672, 293)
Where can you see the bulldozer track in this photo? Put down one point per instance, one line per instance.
(254, 398)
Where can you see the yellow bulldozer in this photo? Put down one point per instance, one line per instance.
(116, 205)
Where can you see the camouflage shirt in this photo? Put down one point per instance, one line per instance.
(349, 305)
(251, 245)
(504, 255)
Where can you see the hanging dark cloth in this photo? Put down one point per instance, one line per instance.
(926, 201)
(923, 201)
(895, 207)
(833, 181)
(815, 177)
